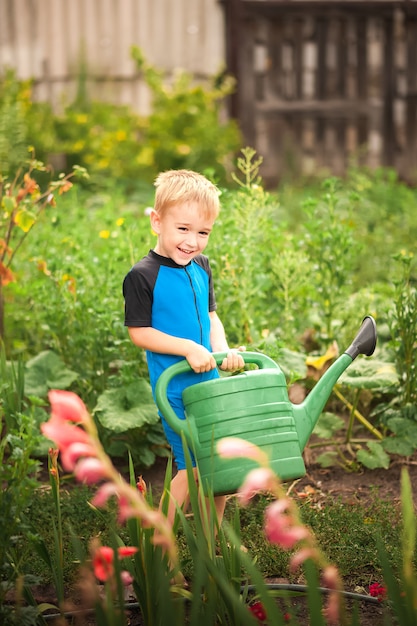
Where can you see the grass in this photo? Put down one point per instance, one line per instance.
(347, 533)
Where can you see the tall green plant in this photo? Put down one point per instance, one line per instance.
(241, 252)
(332, 248)
(18, 471)
(22, 203)
(403, 328)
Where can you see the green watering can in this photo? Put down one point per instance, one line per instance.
(254, 406)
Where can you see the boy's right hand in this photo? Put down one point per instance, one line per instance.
(200, 359)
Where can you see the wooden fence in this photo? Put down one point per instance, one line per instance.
(46, 40)
(320, 83)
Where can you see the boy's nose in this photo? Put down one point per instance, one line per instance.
(191, 239)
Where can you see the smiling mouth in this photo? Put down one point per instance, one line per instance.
(185, 251)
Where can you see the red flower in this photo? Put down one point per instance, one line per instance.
(125, 551)
(258, 611)
(103, 563)
(141, 485)
(376, 590)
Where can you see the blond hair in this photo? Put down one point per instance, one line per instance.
(182, 186)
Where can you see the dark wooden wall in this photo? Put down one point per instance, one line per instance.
(320, 84)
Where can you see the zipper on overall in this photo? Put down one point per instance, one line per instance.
(195, 302)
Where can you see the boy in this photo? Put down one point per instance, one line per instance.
(170, 307)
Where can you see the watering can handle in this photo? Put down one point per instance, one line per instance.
(261, 360)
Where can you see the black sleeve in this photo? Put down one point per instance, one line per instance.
(138, 295)
(203, 261)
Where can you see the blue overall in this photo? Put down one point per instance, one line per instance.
(176, 300)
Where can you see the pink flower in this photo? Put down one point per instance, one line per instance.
(67, 405)
(331, 577)
(234, 447)
(71, 454)
(127, 579)
(300, 556)
(90, 471)
(103, 563)
(257, 480)
(332, 609)
(62, 433)
(103, 494)
(280, 527)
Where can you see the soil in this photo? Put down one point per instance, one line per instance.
(336, 482)
(320, 484)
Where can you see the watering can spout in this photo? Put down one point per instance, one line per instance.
(365, 340)
(308, 412)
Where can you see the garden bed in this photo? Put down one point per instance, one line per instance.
(319, 486)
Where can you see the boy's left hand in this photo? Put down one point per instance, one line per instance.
(233, 361)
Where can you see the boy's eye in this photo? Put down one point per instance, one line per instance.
(204, 233)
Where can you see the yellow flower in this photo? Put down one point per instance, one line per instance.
(120, 221)
(81, 118)
(183, 149)
(121, 135)
(104, 234)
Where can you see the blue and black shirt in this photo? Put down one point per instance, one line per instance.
(176, 300)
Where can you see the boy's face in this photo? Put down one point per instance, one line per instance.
(183, 232)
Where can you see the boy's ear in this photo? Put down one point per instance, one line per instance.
(155, 221)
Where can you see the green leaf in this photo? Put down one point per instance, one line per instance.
(404, 428)
(327, 459)
(47, 371)
(292, 362)
(409, 528)
(370, 374)
(374, 457)
(9, 204)
(25, 220)
(120, 410)
(397, 445)
(327, 425)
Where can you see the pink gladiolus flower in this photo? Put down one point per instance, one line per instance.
(67, 405)
(62, 433)
(103, 563)
(234, 447)
(71, 454)
(127, 579)
(90, 471)
(333, 608)
(257, 480)
(103, 493)
(299, 557)
(280, 527)
(331, 577)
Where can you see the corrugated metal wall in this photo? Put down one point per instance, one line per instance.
(46, 39)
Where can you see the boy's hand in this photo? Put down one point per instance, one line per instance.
(234, 361)
(200, 359)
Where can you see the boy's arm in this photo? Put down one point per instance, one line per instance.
(148, 338)
(234, 360)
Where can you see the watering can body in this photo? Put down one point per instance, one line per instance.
(253, 405)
